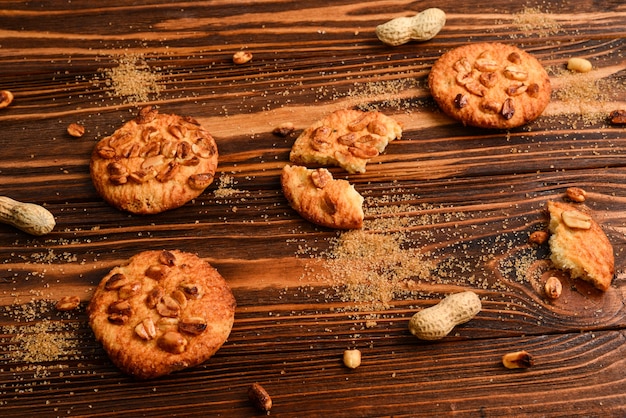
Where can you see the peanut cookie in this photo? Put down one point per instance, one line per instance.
(160, 312)
(154, 162)
(579, 245)
(490, 85)
(321, 199)
(347, 138)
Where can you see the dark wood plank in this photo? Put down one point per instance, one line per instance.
(469, 199)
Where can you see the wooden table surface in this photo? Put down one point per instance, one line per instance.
(466, 201)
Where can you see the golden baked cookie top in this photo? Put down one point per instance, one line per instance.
(161, 311)
(348, 138)
(321, 199)
(490, 85)
(154, 163)
(579, 245)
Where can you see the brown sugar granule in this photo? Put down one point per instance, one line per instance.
(534, 21)
(371, 269)
(51, 257)
(585, 94)
(41, 342)
(375, 95)
(373, 266)
(36, 338)
(578, 88)
(132, 79)
(225, 186)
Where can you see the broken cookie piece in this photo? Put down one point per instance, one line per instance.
(347, 138)
(321, 199)
(579, 245)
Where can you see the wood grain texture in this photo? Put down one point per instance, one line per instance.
(473, 197)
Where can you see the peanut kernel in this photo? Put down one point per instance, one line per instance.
(580, 65)
(518, 360)
(67, 303)
(352, 358)
(538, 237)
(193, 325)
(172, 342)
(6, 98)
(321, 177)
(618, 117)
(76, 130)
(576, 194)
(576, 220)
(146, 329)
(259, 397)
(115, 281)
(553, 288)
(167, 258)
(241, 57)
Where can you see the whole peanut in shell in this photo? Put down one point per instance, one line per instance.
(28, 217)
(421, 27)
(436, 322)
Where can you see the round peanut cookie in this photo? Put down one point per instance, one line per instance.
(154, 163)
(160, 312)
(490, 85)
